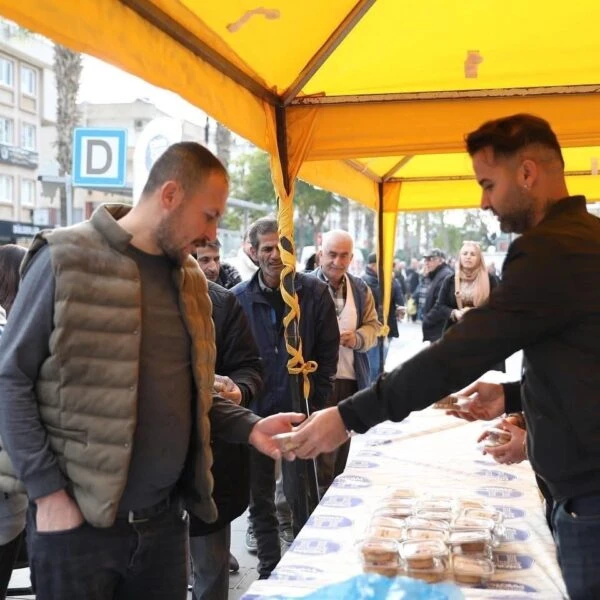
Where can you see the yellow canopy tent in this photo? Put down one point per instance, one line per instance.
(368, 98)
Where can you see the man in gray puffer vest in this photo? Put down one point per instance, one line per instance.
(106, 390)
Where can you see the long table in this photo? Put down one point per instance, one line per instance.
(432, 453)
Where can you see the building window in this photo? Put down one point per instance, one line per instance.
(27, 192)
(6, 131)
(6, 188)
(6, 72)
(28, 81)
(28, 136)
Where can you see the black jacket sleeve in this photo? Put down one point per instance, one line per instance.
(525, 307)
(512, 397)
(237, 354)
(327, 347)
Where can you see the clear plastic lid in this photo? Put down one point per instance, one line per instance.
(418, 533)
(387, 533)
(483, 513)
(446, 516)
(285, 441)
(421, 554)
(400, 493)
(438, 571)
(427, 523)
(464, 503)
(463, 522)
(395, 512)
(378, 550)
(496, 437)
(469, 536)
(468, 569)
(435, 505)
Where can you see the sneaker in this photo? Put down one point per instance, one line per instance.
(234, 565)
(287, 535)
(251, 544)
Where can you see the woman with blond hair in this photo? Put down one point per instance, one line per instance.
(469, 287)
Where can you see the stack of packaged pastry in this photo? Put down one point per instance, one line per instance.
(432, 537)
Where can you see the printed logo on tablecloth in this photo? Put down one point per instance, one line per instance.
(512, 534)
(296, 573)
(341, 501)
(486, 463)
(328, 522)
(510, 512)
(362, 464)
(496, 491)
(387, 431)
(509, 586)
(350, 482)
(314, 547)
(369, 452)
(512, 562)
(497, 475)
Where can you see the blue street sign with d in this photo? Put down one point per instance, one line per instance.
(99, 157)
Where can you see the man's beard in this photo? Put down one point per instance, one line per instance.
(165, 235)
(521, 217)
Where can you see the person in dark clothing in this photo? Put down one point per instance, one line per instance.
(209, 259)
(378, 353)
(239, 379)
(547, 305)
(263, 304)
(438, 271)
(13, 507)
(412, 276)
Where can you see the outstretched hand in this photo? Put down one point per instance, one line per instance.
(324, 431)
(486, 402)
(261, 434)
(514, 450)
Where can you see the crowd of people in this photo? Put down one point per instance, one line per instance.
(142, 378)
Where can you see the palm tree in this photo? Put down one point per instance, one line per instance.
(67, 69)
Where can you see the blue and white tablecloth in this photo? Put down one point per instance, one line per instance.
(432, 453)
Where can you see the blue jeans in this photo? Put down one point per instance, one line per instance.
(138, 561)
(210, 559)
(374, 358)
(578, 545)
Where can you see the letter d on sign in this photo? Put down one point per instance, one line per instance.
(99, 159)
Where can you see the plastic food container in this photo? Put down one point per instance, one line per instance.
(496, 437)
(429, 505)
(483, 513)
(438, 572)
(418, 533)
(395, 511)
(427, 523)
(464, 503)
(386, 528)
(463, 522)
(445, 516)
(472, 571)
(380, 556)
(398, 493)
(470, 542)
(285, 442)
(423, 554)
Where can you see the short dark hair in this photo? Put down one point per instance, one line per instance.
(261, 226)
(508, 135)
(11, 257)
(188, 163)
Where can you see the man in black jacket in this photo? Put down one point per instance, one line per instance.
(239, 379)
(437, 270)
(548, 304)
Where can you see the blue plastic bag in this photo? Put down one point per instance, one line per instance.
(376, 587)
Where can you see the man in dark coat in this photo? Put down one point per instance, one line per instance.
(438, 270)
(209, 259)
(238, 378)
